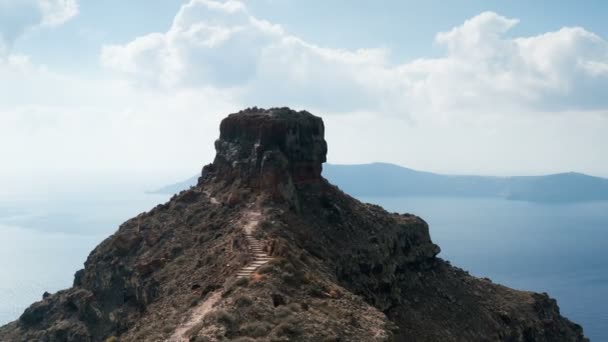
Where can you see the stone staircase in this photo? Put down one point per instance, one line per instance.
(259, 256)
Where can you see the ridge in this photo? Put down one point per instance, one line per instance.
(265, 249)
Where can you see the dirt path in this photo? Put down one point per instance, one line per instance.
(196, 316)
(255, 246)
(250, 220)
(212, 199)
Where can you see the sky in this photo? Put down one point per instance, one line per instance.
(114, 91)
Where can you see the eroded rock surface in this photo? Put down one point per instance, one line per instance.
(342, 270)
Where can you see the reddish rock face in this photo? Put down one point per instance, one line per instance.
(345, 270)
(272, 149)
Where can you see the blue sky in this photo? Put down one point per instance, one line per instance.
(134, 90)
(406, 27)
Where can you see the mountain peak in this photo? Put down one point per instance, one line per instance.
(269, 150)
(231, 260)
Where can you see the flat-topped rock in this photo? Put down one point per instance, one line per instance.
(269, 150)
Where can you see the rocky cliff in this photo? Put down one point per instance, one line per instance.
(265, 249)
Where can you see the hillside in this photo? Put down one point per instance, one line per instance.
(382, 179)
(263, 248)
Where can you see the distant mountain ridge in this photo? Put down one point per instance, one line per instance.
(271, 251)
(384, 179)
(177, 187)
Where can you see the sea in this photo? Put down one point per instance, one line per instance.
(560, 249)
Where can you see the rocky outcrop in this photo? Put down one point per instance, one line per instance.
(341, 270)
(269, 150)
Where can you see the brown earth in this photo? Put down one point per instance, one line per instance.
(342, 270)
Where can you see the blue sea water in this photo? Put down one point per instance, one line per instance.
(44, 241)
(555, 248)
(561, 249)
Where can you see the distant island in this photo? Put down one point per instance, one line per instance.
(274, 252)
(383, 179)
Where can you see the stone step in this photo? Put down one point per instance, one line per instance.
(256, 250)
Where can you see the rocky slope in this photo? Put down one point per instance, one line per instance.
(340, 270)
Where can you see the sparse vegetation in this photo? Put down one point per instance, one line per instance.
(192, 332)
(242, 282)
(332, 277)
(223, 317)
(243, 339)
(239, 282)
(194, 301)
(168, 329)
(256, 329)
(282, 311)
(288, 329)
(265, 269)
(243, 301)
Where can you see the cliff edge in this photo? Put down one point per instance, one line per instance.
(265, 249)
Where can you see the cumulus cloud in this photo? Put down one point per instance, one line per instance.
(159, 118)
(57, 12)
(80, 131)
(223, 45)
(19, 16)
(483, 69)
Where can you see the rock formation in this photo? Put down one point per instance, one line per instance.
(341, 270)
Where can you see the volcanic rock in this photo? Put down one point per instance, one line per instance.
(333, 268)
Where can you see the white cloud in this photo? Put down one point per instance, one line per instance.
(57, 12)
(483, 69)
(19, 16)
(223, 46)
(484, 106)
(61, 128)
